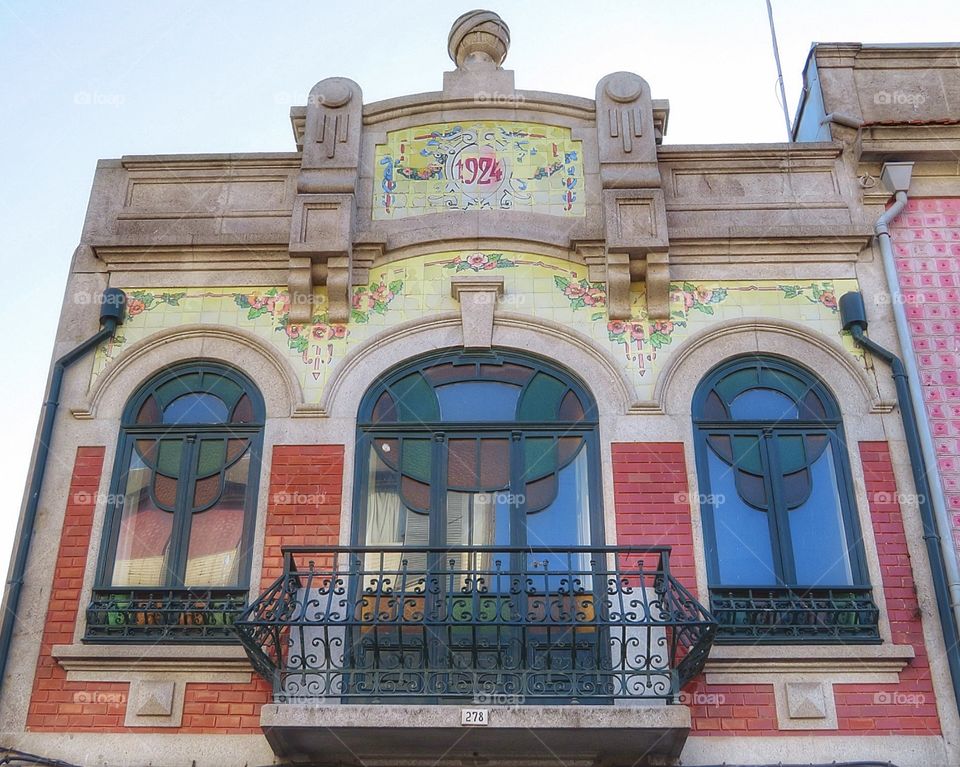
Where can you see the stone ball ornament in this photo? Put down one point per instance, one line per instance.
(479, 35)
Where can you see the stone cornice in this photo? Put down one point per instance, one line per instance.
(749, 153)
(234, 161)
(789, 244)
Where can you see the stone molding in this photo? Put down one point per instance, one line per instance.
(872, 403)
(362, 364)
(123, 374)
(433, 103)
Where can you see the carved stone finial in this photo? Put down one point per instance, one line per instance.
(478, 37)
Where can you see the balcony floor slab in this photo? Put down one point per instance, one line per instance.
(414, 735)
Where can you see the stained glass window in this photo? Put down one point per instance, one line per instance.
(188, 458)
(776, 499)
(493, 449)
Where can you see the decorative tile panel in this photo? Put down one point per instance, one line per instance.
(478, 166)
(543, 287)
(926, 240)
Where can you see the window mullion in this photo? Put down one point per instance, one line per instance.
(176, 571)
(438, 490)
(518, 490)
(780, 524)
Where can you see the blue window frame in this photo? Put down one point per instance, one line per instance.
(477, 449)
(780, 530)
(175, 560)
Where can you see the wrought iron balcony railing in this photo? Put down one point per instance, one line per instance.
(577, 624)
(773, 615)
(170, 615)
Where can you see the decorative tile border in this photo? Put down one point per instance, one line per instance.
(541, 286)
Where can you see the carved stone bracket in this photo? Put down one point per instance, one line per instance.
(634, 212)
(636, 250)
(324, 212)
(320, 254)
(478, 298)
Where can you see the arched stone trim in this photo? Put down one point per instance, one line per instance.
(362, 365)
(126, 373)
(837, 368)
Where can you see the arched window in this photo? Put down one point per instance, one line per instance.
(477, 449)
(179, 526)
(779, 518)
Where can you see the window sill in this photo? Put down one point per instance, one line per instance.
(227, 663)
(742, 664)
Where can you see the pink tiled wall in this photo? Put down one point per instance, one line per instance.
(927, 249)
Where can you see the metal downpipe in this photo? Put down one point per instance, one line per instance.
(111, 316)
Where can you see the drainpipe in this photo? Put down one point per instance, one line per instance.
(112, 307)
(896, 177)
(840, 118)
(854, 318)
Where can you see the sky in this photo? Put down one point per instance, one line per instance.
(87, 80)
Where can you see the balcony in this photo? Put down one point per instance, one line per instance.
(595, 639)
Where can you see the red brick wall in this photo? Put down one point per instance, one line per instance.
(652, 502)
(306, 484)
(926, 246)
(650, 492)
(56, 703)
(910, 707)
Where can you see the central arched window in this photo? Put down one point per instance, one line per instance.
(477, 450)
(784, 552)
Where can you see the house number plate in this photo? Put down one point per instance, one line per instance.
(474, 717)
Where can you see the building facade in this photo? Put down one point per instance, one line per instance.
(487, 428)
